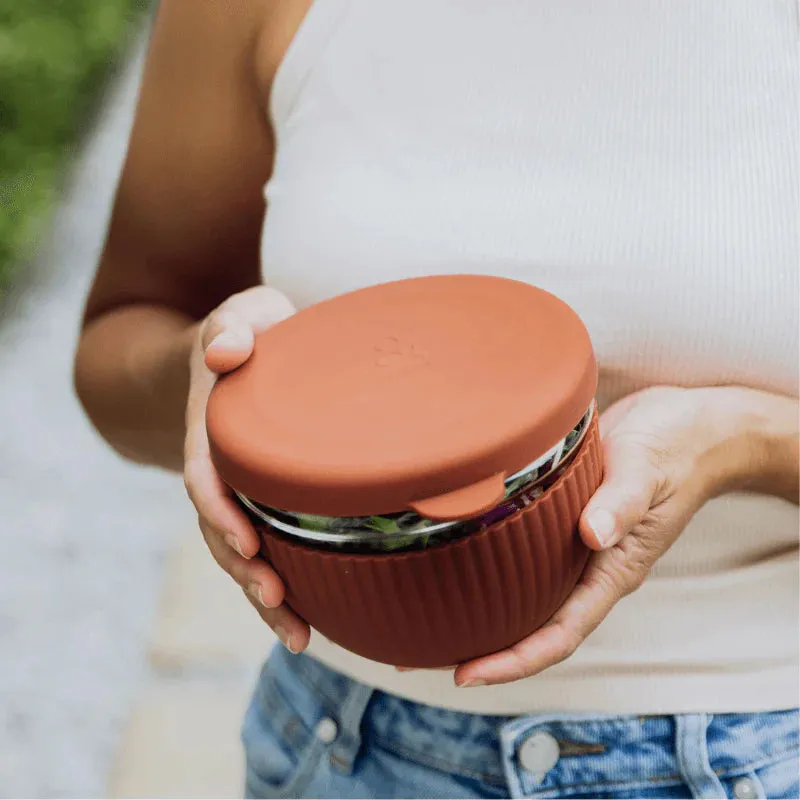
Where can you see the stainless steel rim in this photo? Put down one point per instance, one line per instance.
(375, 537)
(341, 536)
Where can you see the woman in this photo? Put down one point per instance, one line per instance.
(636, 158)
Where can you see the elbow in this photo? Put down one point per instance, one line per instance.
(82, 385)
(96, 400)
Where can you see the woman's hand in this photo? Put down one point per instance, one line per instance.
(223, 342)
(667, 451)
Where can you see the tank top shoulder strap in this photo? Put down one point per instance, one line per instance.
(303, 52)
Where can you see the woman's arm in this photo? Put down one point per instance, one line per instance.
(170, 305)
(667, 451)
(768, 438)
(185, 228)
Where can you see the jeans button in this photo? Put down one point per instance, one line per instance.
(327, 730)
(538, 754)
(745, 789)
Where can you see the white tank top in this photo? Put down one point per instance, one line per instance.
(638, 158)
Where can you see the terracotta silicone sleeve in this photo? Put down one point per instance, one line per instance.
(454, 602)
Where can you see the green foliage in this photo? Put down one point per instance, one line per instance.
(54, 56)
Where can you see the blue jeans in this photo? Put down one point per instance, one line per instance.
(312, 732)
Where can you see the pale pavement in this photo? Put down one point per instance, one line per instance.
(205, 651)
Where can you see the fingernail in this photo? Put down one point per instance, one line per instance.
(468, 684)
(255, 591)
(603, 525)
(229, 340)
(286, 640)
(233, 542)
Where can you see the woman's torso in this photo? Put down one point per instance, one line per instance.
(637, 158)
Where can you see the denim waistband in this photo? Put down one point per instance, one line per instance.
(590, 751)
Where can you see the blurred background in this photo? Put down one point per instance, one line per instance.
(126, 656)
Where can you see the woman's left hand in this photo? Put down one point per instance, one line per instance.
(667, 451)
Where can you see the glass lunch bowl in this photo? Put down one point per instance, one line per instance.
(415, 457)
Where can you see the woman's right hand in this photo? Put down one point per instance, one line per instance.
(223, 342)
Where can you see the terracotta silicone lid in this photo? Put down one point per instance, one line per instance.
(420, 394)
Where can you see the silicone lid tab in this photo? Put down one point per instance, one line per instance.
(463, 503)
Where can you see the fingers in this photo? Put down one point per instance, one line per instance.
(263, 588)
(607, 579)
(216, 508)
(254, 575)
(225, 342)
(648, 494)
(289, 628)
(631, 482)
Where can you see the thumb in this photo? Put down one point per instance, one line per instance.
(229, 348)
(629, 487)
(229, 333)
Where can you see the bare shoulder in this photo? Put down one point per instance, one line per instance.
(222, 37)
(279, 23)
(189, 209)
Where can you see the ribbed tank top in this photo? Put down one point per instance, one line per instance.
(638, 158)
